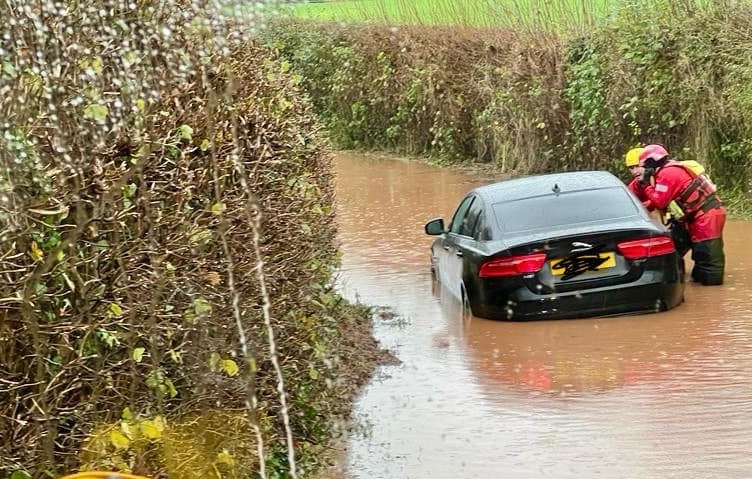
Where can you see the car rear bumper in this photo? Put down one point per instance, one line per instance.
(524, 305)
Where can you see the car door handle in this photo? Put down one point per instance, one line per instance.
(447, 248)
(459, 253)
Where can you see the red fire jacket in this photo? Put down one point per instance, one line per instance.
(635, 187)
(672, 182)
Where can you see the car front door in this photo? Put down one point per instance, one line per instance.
(453, 247)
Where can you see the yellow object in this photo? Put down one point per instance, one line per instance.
(608, 261)
(206, 445)
(633, 157)
(696, 168)
(674, 210)
(102, 475)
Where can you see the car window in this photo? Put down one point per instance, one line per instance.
(459, 215)
(568, 208)
(471, 219)
(479, 231)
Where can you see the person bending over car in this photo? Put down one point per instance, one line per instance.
(663, 180)
(671, 216)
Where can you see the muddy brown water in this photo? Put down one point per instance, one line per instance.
(649, 396)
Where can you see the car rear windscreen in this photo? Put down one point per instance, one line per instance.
(564, 209)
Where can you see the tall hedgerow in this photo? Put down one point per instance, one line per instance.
(166, 248)
(664, 71)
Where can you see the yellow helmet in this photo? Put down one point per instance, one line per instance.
(633, 157)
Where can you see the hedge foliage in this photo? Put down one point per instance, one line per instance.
(166, 249)
(535, 102)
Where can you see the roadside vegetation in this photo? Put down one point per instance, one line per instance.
(528, 100)
(166, 250)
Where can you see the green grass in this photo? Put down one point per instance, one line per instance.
(476, 13)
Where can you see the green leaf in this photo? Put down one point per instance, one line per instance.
(116, 310)
(171, 388)
(150, 429)
(129, 190)
(20, 475)
(96, 65)
(127, 414)
(176, 356)
(230, 367)
(313, 373)
(190, 316)
(138, 354)
(107, 338)
(218, 208)
(36, 252)
(225, 457)
(201, 306)
(154, 379)
(205, 145)
(200, 237)
(186, 132)
(119, 440)
(9, 70)
(142, 151)
(96, 112)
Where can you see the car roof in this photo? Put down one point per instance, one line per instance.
(546, 184)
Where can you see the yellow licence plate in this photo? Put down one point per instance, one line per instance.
(583, 263)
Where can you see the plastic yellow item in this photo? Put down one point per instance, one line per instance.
(102, 475)
(633, 157)
(697, 168)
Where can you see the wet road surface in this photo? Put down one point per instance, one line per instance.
(649, 396)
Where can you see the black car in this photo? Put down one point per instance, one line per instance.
(563, 245)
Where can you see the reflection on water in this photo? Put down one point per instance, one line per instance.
(649, 396)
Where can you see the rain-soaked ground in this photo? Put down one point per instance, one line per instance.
(651, 396)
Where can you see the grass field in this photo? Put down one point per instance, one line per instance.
(535, 14)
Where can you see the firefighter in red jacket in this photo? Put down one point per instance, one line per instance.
(664, 180)
(672, 214)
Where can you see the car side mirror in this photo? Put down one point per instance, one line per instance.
(435, 227)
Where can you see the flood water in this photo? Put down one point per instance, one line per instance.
(651, 396)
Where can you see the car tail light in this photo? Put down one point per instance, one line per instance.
(646, 247)
(512, 266)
